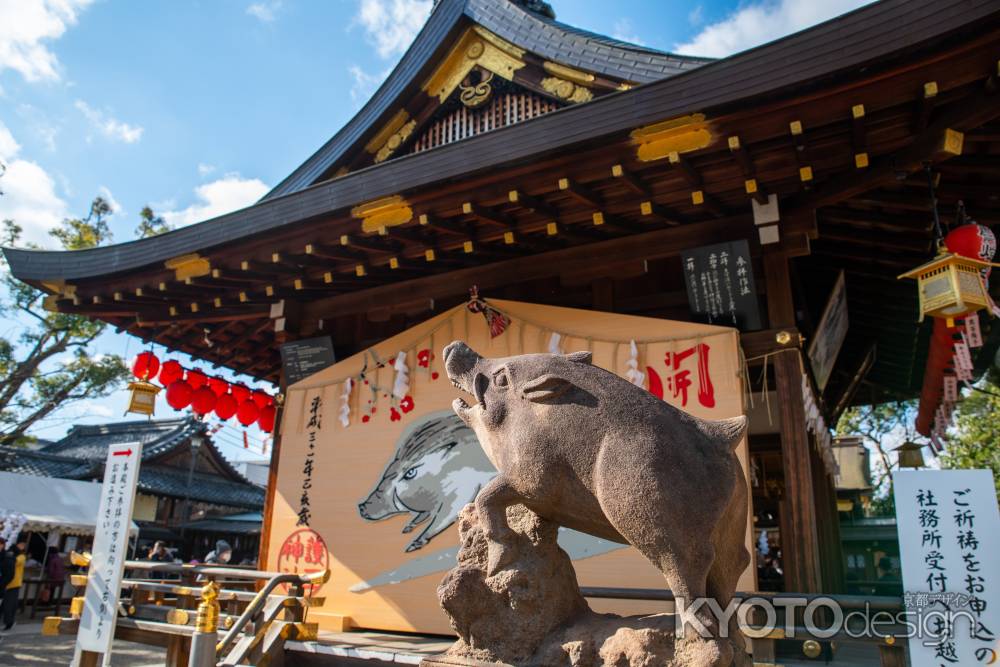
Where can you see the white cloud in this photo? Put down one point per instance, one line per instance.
(390, 25)
(624, 31)
(697, 15)
(761, 22)
(229, 193)
(265, 11)
(29, 193)
(365, 84)
(25, 28)
(105, 193)
(205, 169)
(108, 125)
(9, 148)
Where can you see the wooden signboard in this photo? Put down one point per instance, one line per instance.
(114, 519)
(830, 334)
(375, 466)
(302, 358)
(720, 287)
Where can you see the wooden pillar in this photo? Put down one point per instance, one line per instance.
(287, 316)
(831, 558)
(799, 539)
(272, 480)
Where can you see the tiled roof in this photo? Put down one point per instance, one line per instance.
(530, 31)
(42, 464)
(157, 437)
(164, 481)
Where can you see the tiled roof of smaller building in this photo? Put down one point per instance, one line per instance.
(156, 436)
(43, 464)
(164, 481)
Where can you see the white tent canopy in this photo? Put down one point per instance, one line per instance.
(49, 503)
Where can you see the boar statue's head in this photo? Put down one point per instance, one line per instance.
(502, 385)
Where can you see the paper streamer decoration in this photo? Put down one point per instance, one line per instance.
(12, 523)
(345, 403)
(554, 340)
(401, 385)
(633, 374)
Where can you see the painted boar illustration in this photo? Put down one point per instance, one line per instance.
(437, 469)
(584, 448)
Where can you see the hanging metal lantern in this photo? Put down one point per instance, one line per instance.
(950, 286)
(910, 455)
(143, 399)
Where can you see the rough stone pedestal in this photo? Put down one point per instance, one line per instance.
(531, 613)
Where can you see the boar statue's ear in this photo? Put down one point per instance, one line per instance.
(584, 357)
(545, 388)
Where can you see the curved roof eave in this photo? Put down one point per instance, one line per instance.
(537, 34)
(842, 44)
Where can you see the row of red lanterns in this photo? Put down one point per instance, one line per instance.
(205, 394)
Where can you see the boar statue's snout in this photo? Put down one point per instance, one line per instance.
(459, 360)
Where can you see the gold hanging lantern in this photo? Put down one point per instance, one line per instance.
(910, 455)
(143, 400)
(951, 286)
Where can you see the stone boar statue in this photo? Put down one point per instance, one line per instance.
(437, 469)
(582, 447)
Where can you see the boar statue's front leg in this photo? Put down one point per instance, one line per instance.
(417, 519)
(491, 505)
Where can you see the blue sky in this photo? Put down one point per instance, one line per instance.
(197, 108)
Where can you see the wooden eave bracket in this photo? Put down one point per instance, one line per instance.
(677, 135)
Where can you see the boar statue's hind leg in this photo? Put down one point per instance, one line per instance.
(491, 505)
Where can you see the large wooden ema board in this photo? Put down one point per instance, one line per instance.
(413, 465)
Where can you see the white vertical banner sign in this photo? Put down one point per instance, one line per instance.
(114, 519)
(949, 538)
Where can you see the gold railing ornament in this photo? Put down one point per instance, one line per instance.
(208, 608)
(951, 286)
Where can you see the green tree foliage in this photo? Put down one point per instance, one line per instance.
(150, 224)
(975, 440)
(883, 427)
(48, 362)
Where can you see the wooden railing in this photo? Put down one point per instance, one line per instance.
(186, 613)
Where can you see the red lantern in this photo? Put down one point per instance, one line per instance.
(240, 393)
(203, 401)
(226, 406)
(145, 365)
(266, 419)
(972, 240)
(262, 399)
(171, 372)
(218, 385)
(196, 379)
(247, 412)
(179, 395)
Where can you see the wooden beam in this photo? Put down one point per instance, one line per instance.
(940, 141)
(489, 216)
(581, 193)
(533, 204)
(859, 136)
(743, 159)
(631, 181)
(699, 196)
(650, 245)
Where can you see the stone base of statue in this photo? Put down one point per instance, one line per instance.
(531, 613)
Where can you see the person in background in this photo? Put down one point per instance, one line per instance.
(12, 591)
(159, 553)
(55, 572)
(223, 552)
